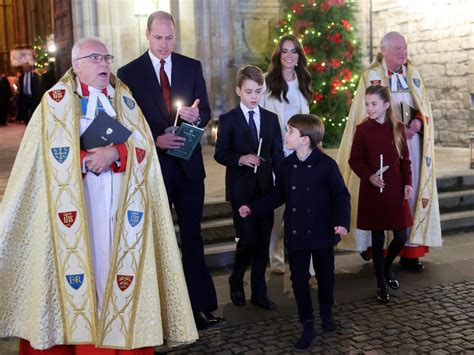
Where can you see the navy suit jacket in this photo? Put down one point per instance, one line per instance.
(35, 88)
(316, 200)
(234, 140)
(187, 84)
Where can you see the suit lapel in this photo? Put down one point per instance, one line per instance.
(153, 87)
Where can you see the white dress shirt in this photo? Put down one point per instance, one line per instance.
(256, 116)
(157, 65)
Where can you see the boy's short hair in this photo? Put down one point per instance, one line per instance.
(249, 72)
(310, 126)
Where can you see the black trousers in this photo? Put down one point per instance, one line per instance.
(323, 263)
(188, 200)
(383, 266)
(26, 108)
(3, 115)
(252, 247)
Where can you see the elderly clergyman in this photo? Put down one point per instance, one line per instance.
(410, 102)
(88, 255)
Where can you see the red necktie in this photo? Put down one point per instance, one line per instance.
(165, 86)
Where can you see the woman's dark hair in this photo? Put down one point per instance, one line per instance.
(276, 84)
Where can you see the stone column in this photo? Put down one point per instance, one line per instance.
(229, 34)
(84, 18)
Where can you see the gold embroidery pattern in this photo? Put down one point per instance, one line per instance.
(64, 182)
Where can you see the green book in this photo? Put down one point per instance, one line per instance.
(193, 135)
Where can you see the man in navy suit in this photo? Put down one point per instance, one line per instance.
(248, 177)
(158, 79)
(29, 95)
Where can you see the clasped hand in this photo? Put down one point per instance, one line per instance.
(101, 158)
(414, 128)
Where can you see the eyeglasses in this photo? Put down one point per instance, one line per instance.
(98, 58)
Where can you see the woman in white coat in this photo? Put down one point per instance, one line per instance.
(287, 92)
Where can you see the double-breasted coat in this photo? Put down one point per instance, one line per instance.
(316, 201)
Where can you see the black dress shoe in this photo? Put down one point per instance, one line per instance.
(414, 265)
(237, 293)
(382, 295)
(206, 320)
(263, 302)
(391, 281)
(213, 320)
(307, 336)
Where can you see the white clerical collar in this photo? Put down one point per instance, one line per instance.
(396, 77)
(96, 95)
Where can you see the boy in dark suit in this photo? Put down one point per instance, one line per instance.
(249, 177)
(317, 213)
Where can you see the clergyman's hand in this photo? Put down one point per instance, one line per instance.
(101, 158)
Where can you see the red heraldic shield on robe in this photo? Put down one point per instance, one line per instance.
(44, 209)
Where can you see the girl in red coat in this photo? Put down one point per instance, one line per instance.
(380, 142)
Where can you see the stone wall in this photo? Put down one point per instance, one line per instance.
(440, 36)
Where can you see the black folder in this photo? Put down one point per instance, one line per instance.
(103, 131)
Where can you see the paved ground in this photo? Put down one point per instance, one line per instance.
(432, 312)
(433, 319)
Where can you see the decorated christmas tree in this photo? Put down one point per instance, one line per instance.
(326, 31)
(40, 53)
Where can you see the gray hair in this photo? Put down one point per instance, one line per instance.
(388, 37)
(76, 48)
(161, 15)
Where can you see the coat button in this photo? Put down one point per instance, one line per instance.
(295, 166)
(294, 232)
(293, 187)
(293, 209)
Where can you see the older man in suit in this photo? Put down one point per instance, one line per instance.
(159, 78)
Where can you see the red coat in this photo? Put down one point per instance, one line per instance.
(387, 210)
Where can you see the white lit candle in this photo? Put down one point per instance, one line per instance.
(258, 154)
(178, 105)
(381, 170)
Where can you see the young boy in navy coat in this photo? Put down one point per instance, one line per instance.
(317, 213)
(249, 177)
